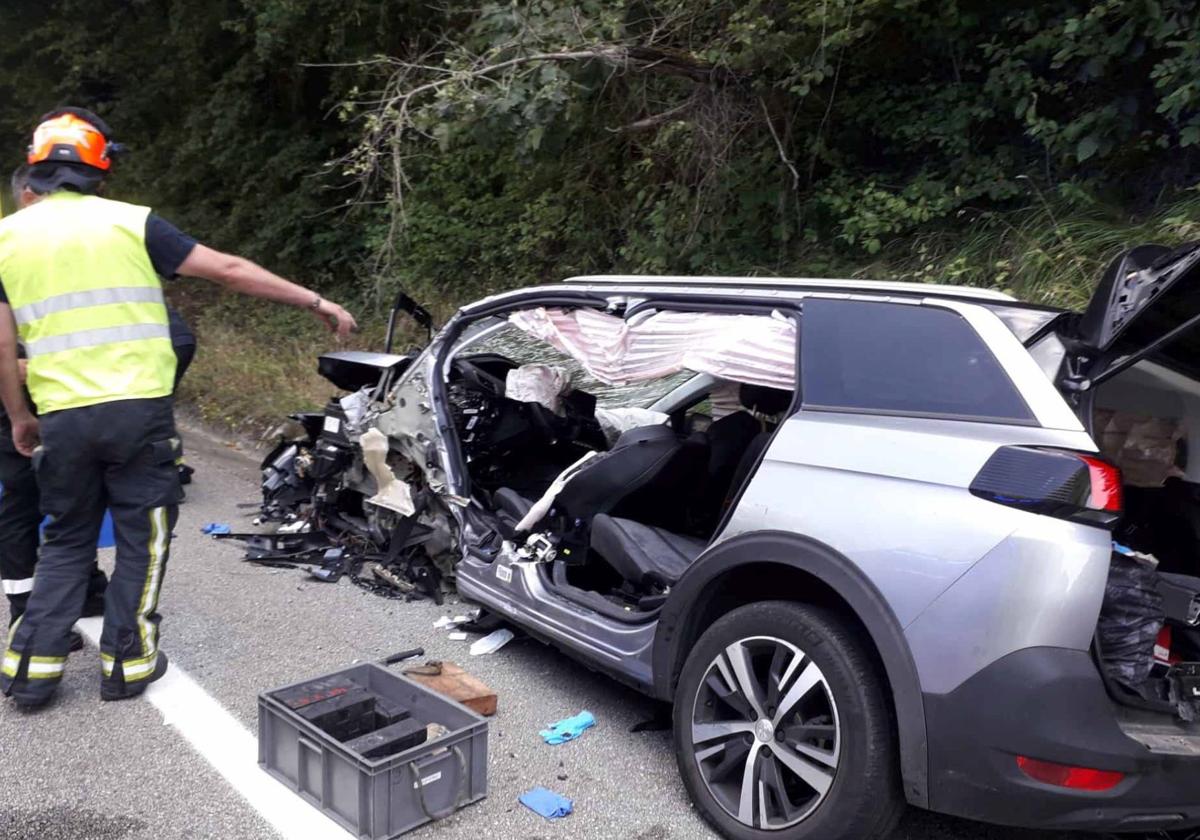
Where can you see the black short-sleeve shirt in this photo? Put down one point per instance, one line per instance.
(166, 245)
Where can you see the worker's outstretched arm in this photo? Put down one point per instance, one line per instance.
(242, 275)
(24, 424)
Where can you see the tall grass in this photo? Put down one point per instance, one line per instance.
(1045, 254)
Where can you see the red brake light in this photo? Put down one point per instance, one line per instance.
(1062, 775)
(1106, 485)
(1052, 482)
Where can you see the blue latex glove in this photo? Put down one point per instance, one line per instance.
(547, 803)
(568, 729)
(215, 528)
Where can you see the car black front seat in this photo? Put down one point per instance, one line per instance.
(648, 471)
(642, 554)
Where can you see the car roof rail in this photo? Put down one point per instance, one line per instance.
(796, 283)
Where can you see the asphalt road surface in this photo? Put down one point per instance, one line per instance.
(82, 770)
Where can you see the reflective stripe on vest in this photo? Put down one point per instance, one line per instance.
(89, 307)
(80, 300)
(92, 338)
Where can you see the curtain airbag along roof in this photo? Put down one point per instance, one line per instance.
(757, 349)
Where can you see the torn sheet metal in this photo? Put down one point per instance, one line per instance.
(757, 349)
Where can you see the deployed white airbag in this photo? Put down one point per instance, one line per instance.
(758, 349)
(541, 384)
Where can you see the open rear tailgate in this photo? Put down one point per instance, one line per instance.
(1146, 294)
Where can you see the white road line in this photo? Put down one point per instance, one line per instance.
(231, 750)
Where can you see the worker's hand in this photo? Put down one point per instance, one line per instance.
(340, 322)
(26, 435)
(23, 370)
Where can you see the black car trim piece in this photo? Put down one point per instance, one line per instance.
(1123, 364)
(923, 415)
(765, 549)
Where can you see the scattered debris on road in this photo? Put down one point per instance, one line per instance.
(491, 642)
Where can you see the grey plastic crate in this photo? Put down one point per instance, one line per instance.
(378, 798)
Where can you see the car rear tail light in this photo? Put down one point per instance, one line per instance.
(1065, 776)
(1052, 482)
(1106, 484)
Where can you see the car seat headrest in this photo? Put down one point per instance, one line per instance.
(764, 400)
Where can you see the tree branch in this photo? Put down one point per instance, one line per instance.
(783, 155)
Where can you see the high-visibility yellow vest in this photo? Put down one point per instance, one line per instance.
(89, 307)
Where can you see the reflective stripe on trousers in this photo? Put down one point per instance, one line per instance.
(143, 666)
(40, 667)
(17, 587)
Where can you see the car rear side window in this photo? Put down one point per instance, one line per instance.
(891, 358)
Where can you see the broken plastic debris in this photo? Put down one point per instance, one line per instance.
(215, 528)
(444, 622)
(393, 493)
(355, 405)
(491, 642)
(300, 526)
(457, 637)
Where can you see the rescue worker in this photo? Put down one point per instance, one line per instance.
(20, 510)
(79, 285)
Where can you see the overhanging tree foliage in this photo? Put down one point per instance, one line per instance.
(473, 147)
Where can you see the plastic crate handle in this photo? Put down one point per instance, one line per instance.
(459, 798)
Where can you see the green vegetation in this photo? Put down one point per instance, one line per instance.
(459, 149)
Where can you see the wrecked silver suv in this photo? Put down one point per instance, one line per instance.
(860, 534)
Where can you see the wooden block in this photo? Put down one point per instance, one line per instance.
(451, 681)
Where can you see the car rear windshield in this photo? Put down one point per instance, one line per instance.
(892, 358)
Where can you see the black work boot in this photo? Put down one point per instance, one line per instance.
(116, 688)
(30, 702)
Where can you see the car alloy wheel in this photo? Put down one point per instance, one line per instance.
(765, 733)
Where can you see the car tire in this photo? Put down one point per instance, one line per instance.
(830, 771)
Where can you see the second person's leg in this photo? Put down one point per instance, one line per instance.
(143, 494)
(20, 516)
(72, 496)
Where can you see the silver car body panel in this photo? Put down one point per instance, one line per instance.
(891, 494)
(1042, 586)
